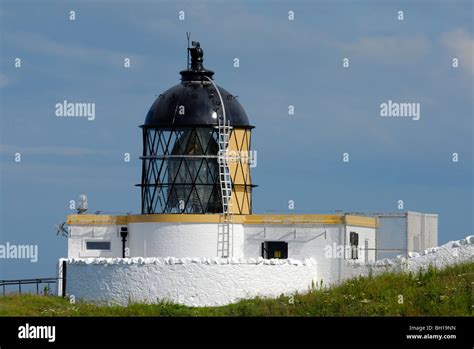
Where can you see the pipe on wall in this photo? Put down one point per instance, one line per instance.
(123, 234)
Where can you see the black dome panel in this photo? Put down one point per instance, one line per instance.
(192, 103)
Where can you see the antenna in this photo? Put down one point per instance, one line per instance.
(188, 35)
(61, 229)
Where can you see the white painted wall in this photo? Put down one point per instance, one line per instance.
(422, 231)
(453, 252)
(193, 282)
(310, 242)
(153, 240)
(79, 235)
(404, 232)
(365, 234)
(391, 235)
(180, 240)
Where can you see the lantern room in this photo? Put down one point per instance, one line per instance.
(188, 131)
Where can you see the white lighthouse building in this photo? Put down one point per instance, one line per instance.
(197, 241)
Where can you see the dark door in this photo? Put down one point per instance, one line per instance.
(274, 249)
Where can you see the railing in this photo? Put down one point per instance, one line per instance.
(47, 281)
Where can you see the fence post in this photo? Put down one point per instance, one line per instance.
(63, 278)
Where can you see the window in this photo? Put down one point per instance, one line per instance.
(98, 245)
(274, 249)
(354, 241)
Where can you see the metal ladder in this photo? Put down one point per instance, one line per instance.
(226, 227)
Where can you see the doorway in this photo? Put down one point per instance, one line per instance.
(275, 249)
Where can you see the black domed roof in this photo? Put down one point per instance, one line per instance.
(198, 103)
(195, 101)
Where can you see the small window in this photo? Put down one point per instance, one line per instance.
(354, 241)
(274, 249)
(98, 245)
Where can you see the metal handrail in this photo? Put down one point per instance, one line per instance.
(20, 282)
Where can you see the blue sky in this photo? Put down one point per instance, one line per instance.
(281, 63)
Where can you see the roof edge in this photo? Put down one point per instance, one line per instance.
(252, 219)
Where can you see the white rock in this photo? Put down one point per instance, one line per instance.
(456, 244)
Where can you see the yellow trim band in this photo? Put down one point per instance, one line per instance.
(361, 221)
(257, 219)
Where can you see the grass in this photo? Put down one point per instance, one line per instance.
(447, 292)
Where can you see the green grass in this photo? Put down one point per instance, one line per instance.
(447, 292)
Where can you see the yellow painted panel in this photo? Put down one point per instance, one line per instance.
(291, 219)
(361, 221)
(95, 219)
(239, 197)
(177, 218)
(82, 219)
(277, 219)
(238, 146)
(239, 169)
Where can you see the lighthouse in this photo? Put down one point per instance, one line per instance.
(188, 135)
(196, 240)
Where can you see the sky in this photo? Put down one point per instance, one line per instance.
(282, 62)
